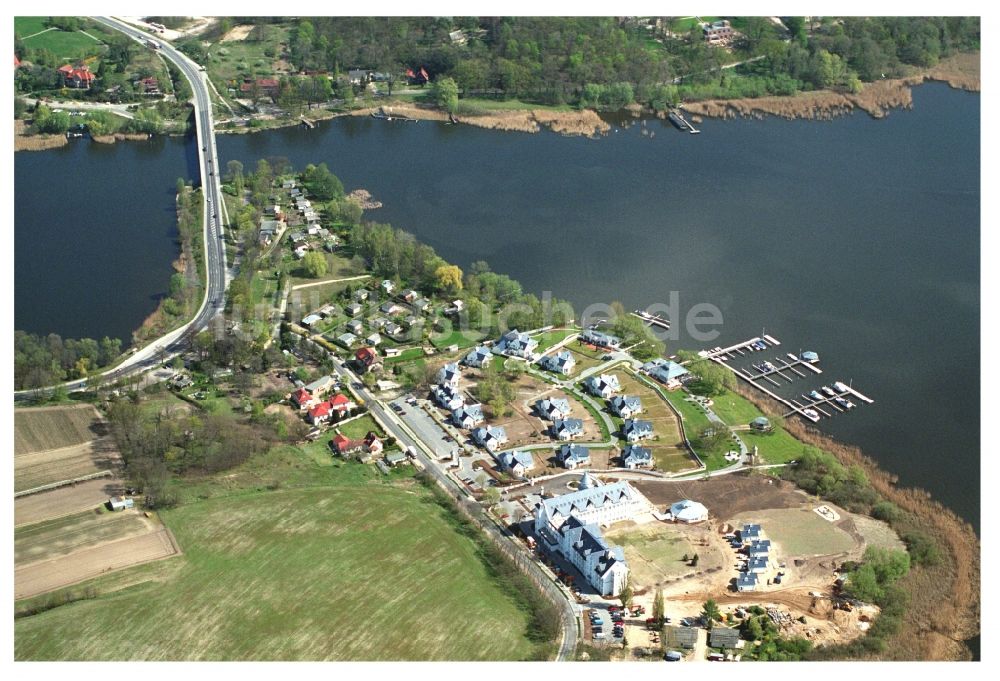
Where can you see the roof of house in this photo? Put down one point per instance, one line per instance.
(548, 406)
(301, 395)
(746, 579)
(365, 354)
(473, 411)
(638, 427)
(664, 370)
(569, 426)
(340, 441)
(573, 452)
(760, 422)
(479, 353)
(688, 510)
(636, 454)
(631, 402)
(320, 410)
(723, 637)
(599, 337)
(599, 383)
(509, 459)
(339, 400)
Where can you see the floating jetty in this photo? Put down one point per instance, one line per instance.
(306, 122)
(809, 408)
(681, 123)
(653, 319)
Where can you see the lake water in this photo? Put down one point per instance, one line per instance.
(855, 238)
(95, 234)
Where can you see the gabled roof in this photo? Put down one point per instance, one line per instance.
(301, 396)
(568, 426)
(571, 452)
(339, 400)
(637, 427)
(723, 637)
(636, 454)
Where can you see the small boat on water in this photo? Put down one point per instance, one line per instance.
(768, 366)
(811, 414)
(828, 391)
(815, 396)
(840, 387)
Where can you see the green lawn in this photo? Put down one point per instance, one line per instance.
(296, 557)
(549, 338)
(687, 23)
(405, 356)
(358, 428)
(734, 409)
(25, 26)
(290, 575)
(66, 44)
(463, 339)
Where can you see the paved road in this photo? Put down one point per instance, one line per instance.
(215, 253)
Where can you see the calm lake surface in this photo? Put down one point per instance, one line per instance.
(855, 238)
(95, 234)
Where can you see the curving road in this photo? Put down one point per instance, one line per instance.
(215, 252)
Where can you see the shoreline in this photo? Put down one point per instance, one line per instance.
(960, 71)
(939, 620)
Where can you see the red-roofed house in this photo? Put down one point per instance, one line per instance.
(341, 404)
(76, 76)
(319, 413)
(341, 444)
(367, 357)
(303, 399)
(150, 86)
(266, 86)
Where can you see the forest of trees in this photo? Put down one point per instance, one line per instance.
(43, 360)
(600, 61)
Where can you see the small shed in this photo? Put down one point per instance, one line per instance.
(761, 423)
(395, 458)
(121, 503)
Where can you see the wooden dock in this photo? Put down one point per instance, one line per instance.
(653, 319)
(681, 123)
(306, 122)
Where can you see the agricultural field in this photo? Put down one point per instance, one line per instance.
(799, 532)
(81, 496)
(52, 444)
(302, 562)
(669, 451)
(41, 428)
(62, 551)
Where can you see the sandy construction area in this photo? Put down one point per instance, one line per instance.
(82, 496)
(39, 577)
(237, 33)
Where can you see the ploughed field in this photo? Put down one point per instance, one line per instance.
(372, 572)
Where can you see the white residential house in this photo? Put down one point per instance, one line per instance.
(478, 356)
(600, 339)
(355, 326)
(635, 456)
(387, 285)
(516, 344)
(573, 456)
(490, 437)
(468, 416)
(626, 406)
(561, 362)
(373, 339)
(448, 396)
(636, 430)
(518, 463)
(553, 408)
(449, 374)
(603, 386)
(567, 429)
